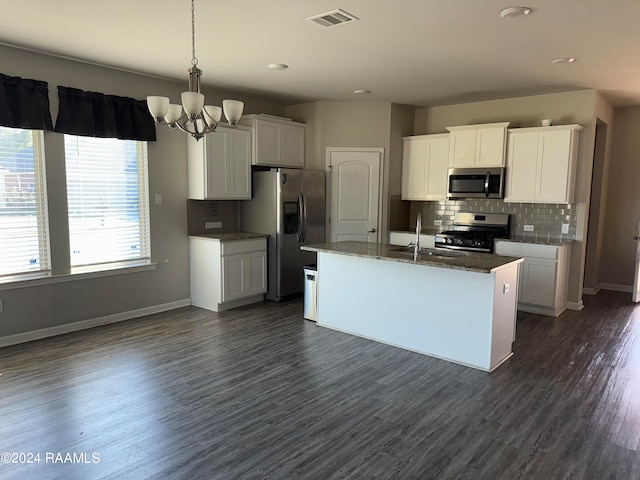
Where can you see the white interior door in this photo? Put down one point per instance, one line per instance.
(355, 193)
(636, 278)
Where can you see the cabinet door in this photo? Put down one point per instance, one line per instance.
(438, 163)
(538, 282)
(462, 148)
(553, 169)
(490, 143)
(414, 168)
(522, 160)
(228, 164)
(267, 151)
(233, 277)
(256, 273)
(240, 164)
(217, 164)
(292, 145)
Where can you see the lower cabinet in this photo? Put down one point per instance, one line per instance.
(542, 284)
(227, 274)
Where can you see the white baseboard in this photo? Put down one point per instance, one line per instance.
(575, 305)
(592, 291)
(617, 288)
(90, 323)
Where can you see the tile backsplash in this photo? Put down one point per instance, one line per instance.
(547, 219)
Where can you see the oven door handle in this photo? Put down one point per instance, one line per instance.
(486, 183)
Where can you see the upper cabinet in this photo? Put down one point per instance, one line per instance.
(425, 161)
(276, 142)
(481, 145)
(220, 165)
(541, 164)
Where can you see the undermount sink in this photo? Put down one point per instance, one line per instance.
(433, 252)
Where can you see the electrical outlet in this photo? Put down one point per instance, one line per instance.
(437, 223)
(565, 228)
(212, 224)
(158, 199)
(528, 228)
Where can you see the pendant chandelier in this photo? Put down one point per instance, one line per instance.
(193, 116)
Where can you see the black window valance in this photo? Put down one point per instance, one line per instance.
(24, 103)
(93, 114)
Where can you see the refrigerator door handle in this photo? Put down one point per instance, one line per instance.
(299, 231)
(304, 217)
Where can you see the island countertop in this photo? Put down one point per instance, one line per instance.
(453, 259)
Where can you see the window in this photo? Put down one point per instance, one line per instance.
(24, 234)
(107, 196)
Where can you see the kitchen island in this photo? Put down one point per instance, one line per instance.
(457, 306)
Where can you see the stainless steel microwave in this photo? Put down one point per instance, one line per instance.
(476, 182)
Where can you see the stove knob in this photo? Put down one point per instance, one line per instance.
(449, 241)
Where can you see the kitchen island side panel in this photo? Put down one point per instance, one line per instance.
(445, 313)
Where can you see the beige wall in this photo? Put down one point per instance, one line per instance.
(563, 108)
(604, 116)
(623, 201)
(50, 306)
(359, 124)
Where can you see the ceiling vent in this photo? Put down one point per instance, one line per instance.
(333, 18)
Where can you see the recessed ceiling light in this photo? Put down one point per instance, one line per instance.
(563, 60)
(278, 66)
(361, 91)
(515, 12)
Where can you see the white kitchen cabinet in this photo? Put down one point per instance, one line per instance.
(542, 284)
(277, 142)
(541, 164)
(219, 165)
(227, 274)
(425, 160)
(481, 145)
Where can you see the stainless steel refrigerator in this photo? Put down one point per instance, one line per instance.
(289, 205)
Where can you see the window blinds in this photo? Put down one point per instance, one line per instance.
(24, 234)
(107, 195)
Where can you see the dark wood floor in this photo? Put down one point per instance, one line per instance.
(259, 393)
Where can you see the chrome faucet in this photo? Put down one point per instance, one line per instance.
(418, 230)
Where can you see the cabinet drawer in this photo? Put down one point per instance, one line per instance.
(243, 246)
(532, 250)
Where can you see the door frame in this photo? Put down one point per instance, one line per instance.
(328, 166)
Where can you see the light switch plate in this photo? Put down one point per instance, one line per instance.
(1, 306)
(505, 288)
(158, 199)
(565, 228)
(528, 228)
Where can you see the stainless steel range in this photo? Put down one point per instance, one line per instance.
(474, 232)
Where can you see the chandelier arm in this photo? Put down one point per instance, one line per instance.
(183, 124)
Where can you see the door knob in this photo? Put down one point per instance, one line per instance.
(373, 230)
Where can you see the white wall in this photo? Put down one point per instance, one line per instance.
(30, 308)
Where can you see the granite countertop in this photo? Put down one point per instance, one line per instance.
(542, 240)
(473, 262)
(230, 237)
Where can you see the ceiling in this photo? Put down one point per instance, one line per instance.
(419, 52)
